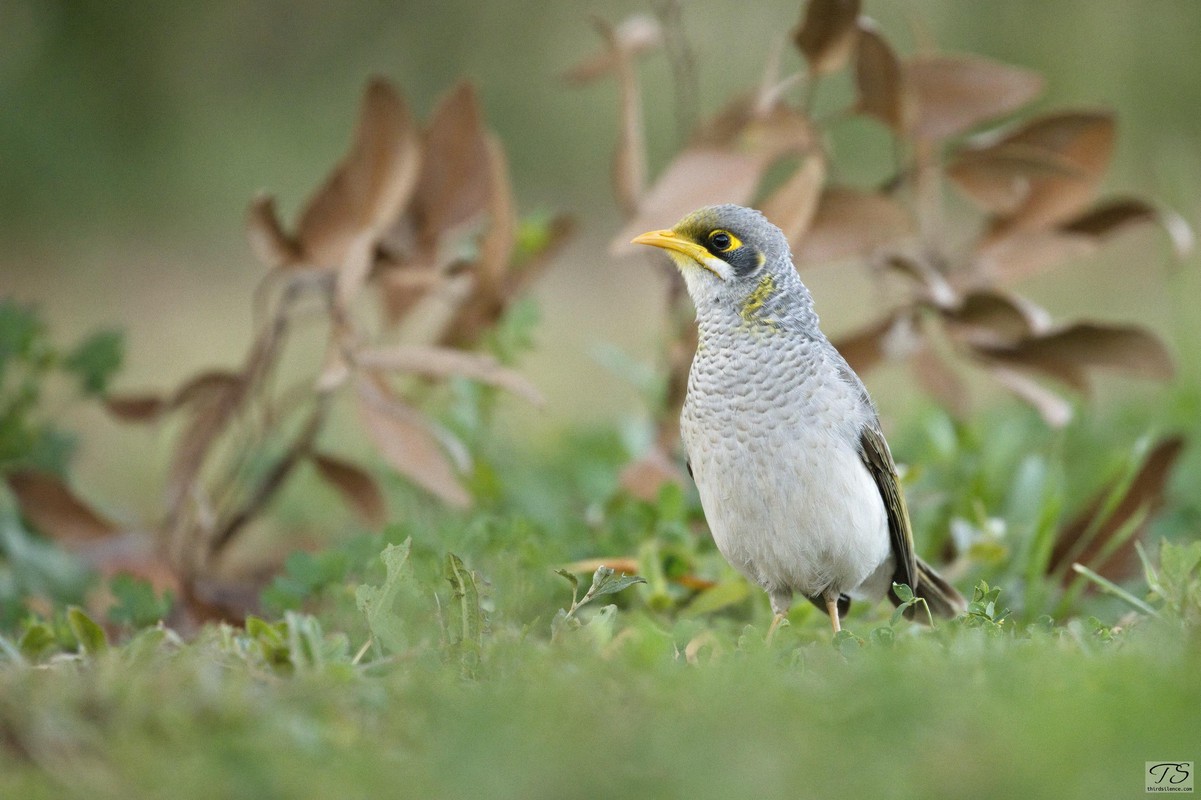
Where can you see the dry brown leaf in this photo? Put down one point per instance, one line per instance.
(1055, 410)
(453, 187)
(1145, 496)
(205, 385)
(444, 362)
(1083, 139)
(954, 93)
(501, 236)
(270, 245)
(1000, 179)
(792, 206)
(883, 92)
(775, 132)
(766, 129)
(404, 438)
(136, 407)
(1023, 253)
(940, 381)
(697, 177)
(1063, 353)
(370, 186)
(937, 290)
(991, 317)
(54, 510)
(633, 36)
(646, 476)
(827, 34)
(852, 223)
(627, 565)
(403, 286)
(1109, 218)
(868, 346)
(355, 484)
(130, 553)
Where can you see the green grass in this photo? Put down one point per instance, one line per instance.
(427, 674)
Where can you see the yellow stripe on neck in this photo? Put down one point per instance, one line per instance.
(756, 300)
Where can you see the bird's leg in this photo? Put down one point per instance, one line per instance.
(780, 601)
(832, 610)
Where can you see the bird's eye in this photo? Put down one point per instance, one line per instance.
(723, 241)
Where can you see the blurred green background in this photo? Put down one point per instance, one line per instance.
(133, 135)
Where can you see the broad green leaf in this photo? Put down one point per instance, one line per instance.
(606, 581)
(138, 605)
(305, 640)
(90, 636)
(37, 640)
(377, 602)
(716, 597)
(883, 636)
(903, 591)
(96, 359)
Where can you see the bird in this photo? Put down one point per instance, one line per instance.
(796, 480)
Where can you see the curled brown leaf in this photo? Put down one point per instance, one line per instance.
(356, 486)
(827, 34)
(1082, 142)
(955, 93)
(1022, 253)
(445, 362)
(868, 346)
(1054, 409)
(56, 511)
(990, 317)
(136, 407)
(1088, 538)
(405, 440)
(1065, 353)
(793, 205)
(699, 176)
(880, 82)
(268, 241)
(370, 186)
(646, 476)
(852, 223)
(453, 187)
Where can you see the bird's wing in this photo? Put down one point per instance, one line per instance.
(878, 460)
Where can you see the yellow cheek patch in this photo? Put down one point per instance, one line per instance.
(756, 300)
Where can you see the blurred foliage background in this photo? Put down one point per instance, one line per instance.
(134, 134)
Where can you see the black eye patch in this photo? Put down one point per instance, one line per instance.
(745, 260)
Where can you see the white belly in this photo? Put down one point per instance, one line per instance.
(794, 510)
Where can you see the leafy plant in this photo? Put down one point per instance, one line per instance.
(1023, 200)
(39, 379)
(421, 218)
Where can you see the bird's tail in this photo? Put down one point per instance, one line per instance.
(943, 599)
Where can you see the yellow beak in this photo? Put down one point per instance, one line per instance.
(670, 240)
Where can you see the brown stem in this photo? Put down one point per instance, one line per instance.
(272, 482)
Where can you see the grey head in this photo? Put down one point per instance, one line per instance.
(735, 262)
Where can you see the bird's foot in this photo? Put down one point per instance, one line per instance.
(775, 624)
